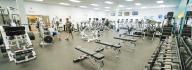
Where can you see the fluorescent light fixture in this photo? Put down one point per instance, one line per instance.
(96, 8)
(39, 0)
(108, 2)
(107, 7)
(121, 6)
(160, 1)
(143, 7)
(66, 4)
(138, 4)
(162, 6)
(77, 1)
(107, 10)
(128, 8)
(129, 0)
(83, 6)
(94, 5)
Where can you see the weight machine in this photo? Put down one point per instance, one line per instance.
(89, 32)
(90, 35)
(46, 35)
(16, 43)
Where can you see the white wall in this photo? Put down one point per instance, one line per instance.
(77, 14)
(8, 3)
(144, 12)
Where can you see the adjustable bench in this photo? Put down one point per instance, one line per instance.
(95, 55)
(134, 35)
(116, 48)
(132, 41)
(91, 53)
(107, 44)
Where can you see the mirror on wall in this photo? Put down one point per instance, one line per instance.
(32, 20)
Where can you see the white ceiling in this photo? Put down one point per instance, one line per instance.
(126, 4)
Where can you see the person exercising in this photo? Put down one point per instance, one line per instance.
(69, 27)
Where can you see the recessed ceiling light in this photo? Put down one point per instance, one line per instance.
(138, 4)
(94, 5)
(83, 6)
(96, 8)
(77, 1)
(67, 4)
(160, 1)
(107, 7)
(121, 6)
(107, 10)
(38, 0)
(162, 6)
(129, 0)
(128, 8)
(143, 7)
(108, 2)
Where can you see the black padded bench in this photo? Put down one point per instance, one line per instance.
(134, 35)
(92, 53)
(107, 44)
(124, 39)
(9, 28)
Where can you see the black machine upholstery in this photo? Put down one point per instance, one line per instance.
(12, 31)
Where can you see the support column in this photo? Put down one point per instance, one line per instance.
(22, 14)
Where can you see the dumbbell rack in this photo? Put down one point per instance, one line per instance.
(186, 54)
(165, 57)
(18, 47)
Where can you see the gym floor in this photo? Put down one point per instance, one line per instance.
(60, 55)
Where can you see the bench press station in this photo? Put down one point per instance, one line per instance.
(95, 56)
(132, 41)
(116, 48)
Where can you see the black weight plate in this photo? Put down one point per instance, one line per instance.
(48, 39)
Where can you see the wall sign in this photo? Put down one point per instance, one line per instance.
(126, 13)
(113, 14)
(120, 13)
(135, 13)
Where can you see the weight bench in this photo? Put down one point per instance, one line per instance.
(134, 35)
(93, 55)
(132, 41)
(115, 47)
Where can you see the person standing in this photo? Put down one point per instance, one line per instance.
(69, 28)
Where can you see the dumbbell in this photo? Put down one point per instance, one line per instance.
(161, 66)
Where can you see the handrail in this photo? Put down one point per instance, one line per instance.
(186, 47)
(182, 67)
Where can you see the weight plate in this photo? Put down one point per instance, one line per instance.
(48, 39)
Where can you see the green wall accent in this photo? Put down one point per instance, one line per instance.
(181, 9)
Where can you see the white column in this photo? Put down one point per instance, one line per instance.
(22, 13)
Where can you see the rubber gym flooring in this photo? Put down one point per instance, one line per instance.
(60, 55)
